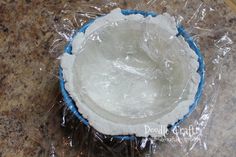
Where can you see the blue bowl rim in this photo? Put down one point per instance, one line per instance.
(181, 31)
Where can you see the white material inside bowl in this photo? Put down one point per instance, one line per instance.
(128, 72)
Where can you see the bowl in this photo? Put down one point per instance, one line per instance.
(129, 86)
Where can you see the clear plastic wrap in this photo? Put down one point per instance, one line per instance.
(190, 134)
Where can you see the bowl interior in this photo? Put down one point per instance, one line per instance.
(132, 72)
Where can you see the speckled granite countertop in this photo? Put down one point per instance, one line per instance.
(29, 91)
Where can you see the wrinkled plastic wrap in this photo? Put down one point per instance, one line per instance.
(188, 134)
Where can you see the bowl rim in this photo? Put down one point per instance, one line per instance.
(181, 32)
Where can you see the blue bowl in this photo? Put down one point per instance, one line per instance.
(181, 32)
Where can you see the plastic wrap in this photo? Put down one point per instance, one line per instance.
(187, 133)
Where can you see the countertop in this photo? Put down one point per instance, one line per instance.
(30, 100)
